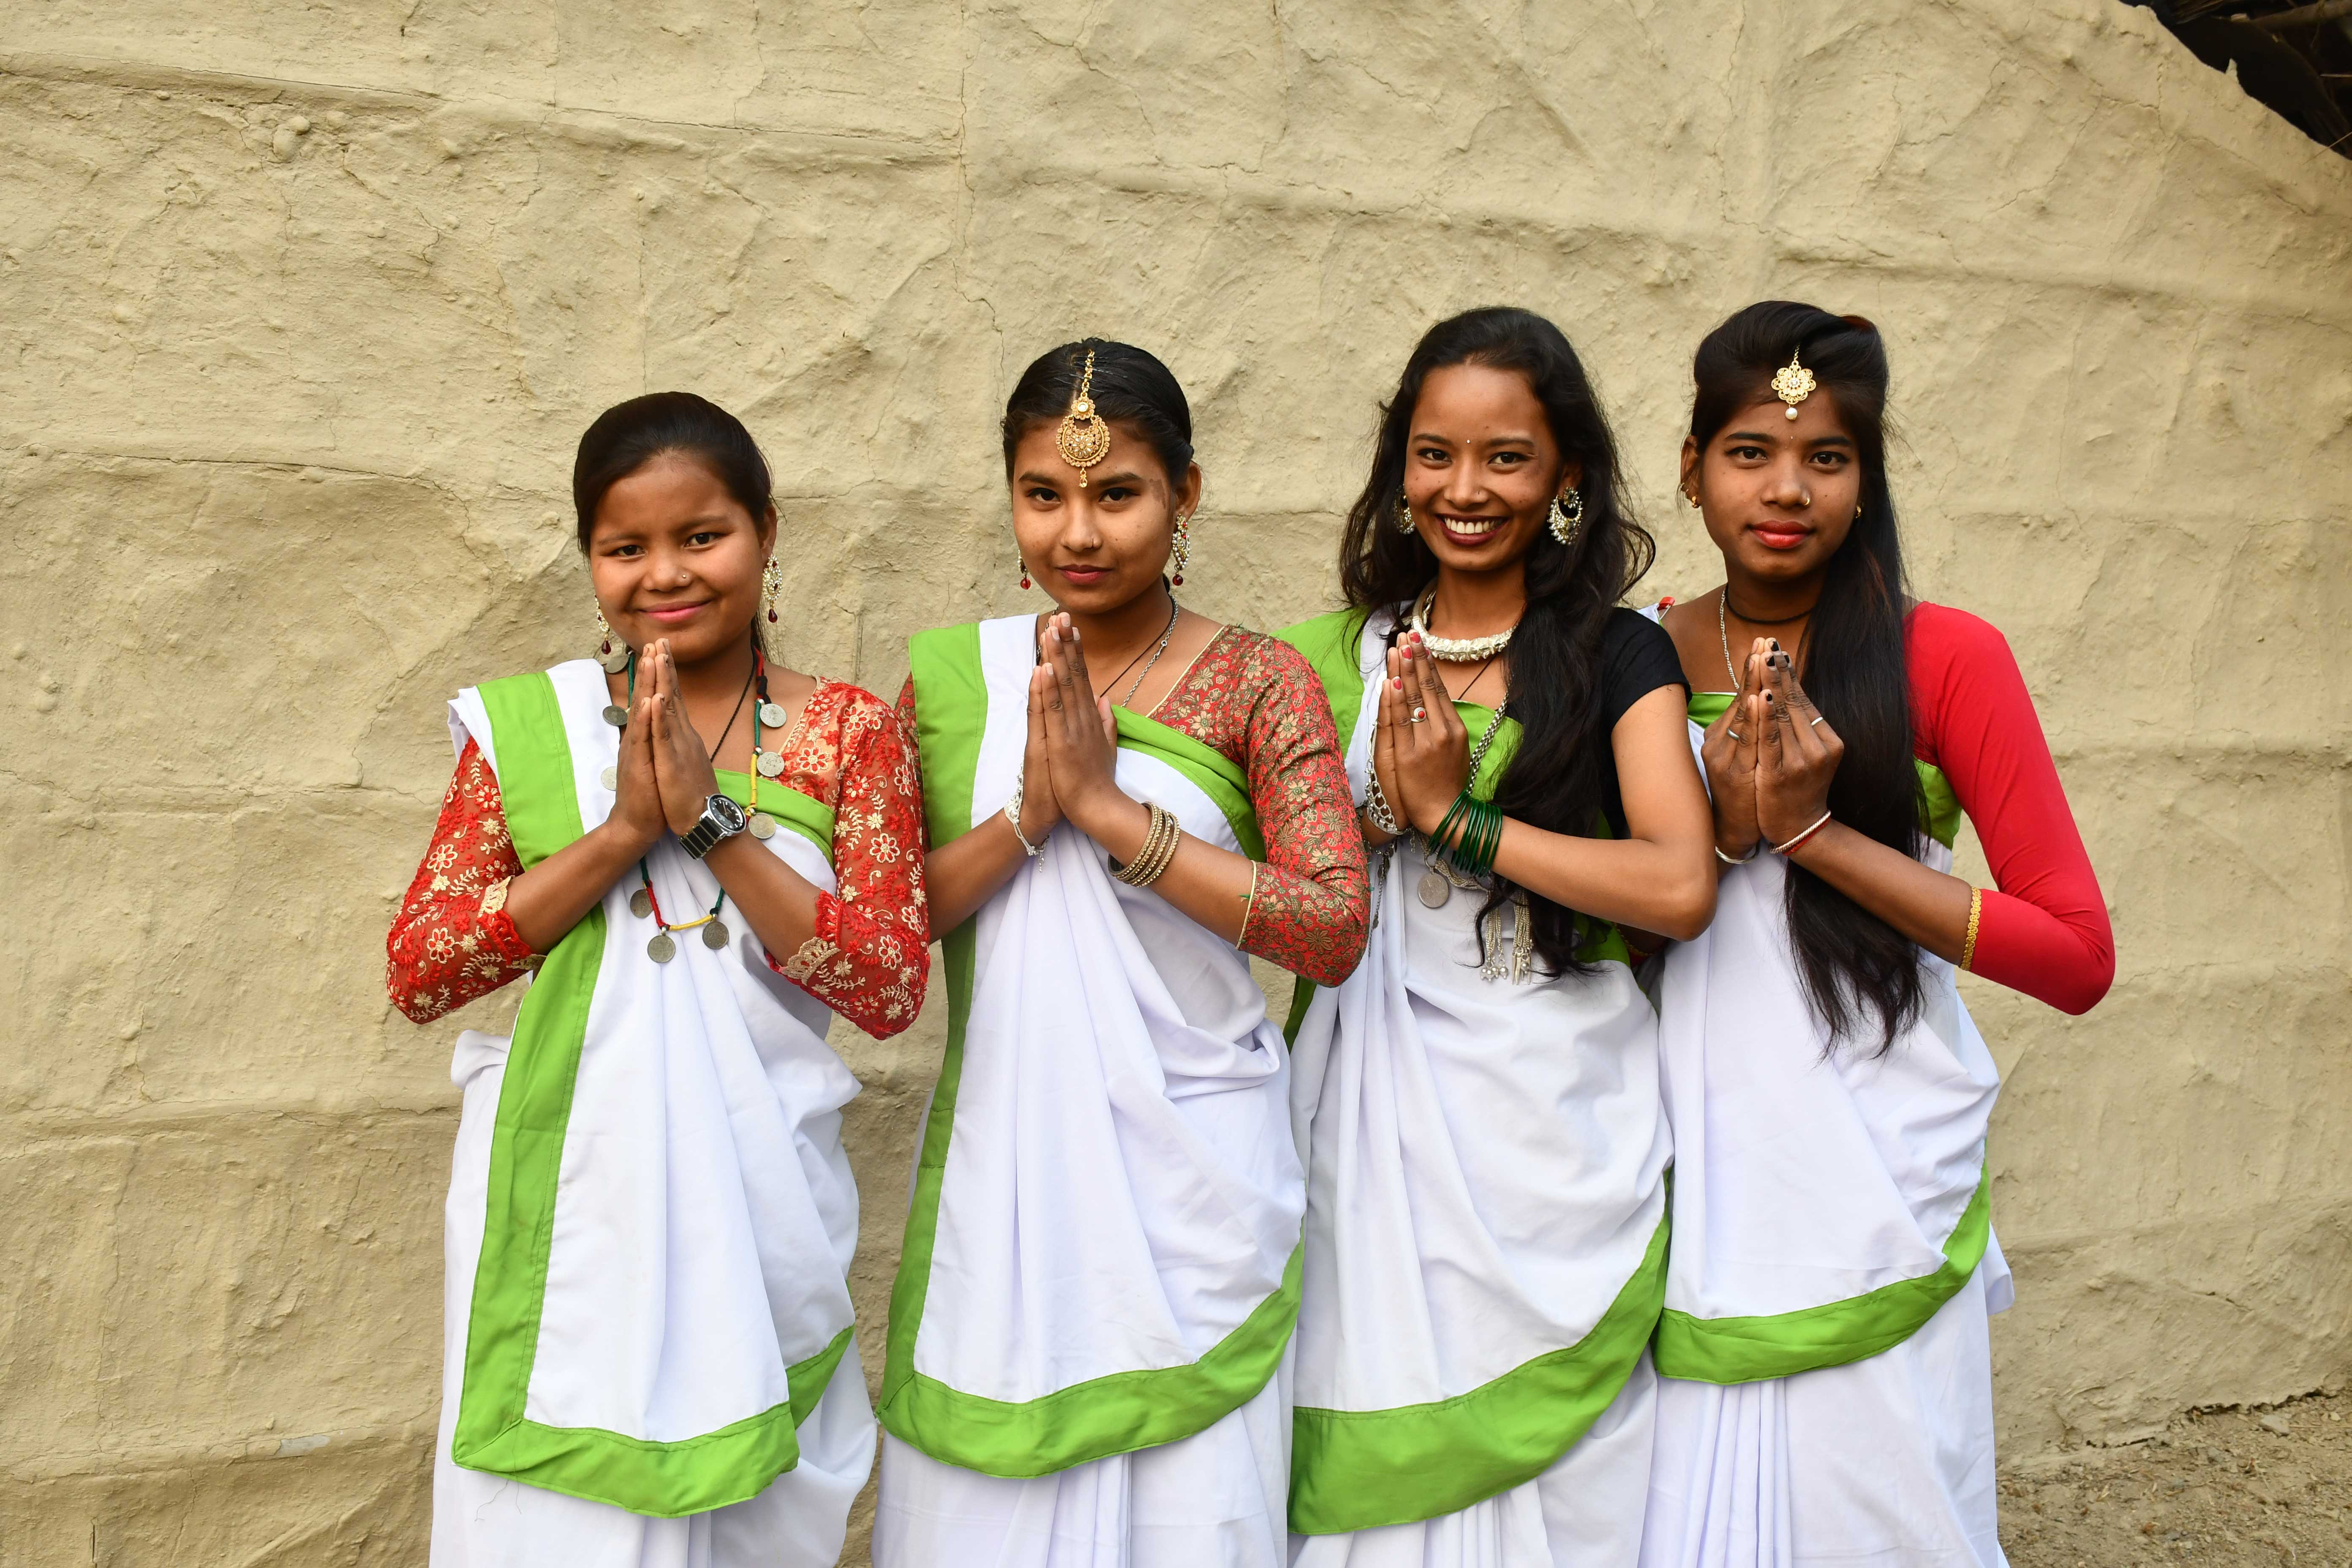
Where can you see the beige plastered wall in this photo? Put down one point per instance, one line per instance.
(301, 311)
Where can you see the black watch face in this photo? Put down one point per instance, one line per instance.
(731, 816)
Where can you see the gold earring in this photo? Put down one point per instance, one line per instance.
(1183, 551)
(1404, 513)
(1017, 560)
(1566, 524)
(772, 584)
(604, 654)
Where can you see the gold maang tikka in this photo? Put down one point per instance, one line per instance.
(1792, 382)
(1083, 438)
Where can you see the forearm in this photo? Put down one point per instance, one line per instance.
(1210, 885)
(966, 872)
(777, 902)
(1657, 885)
(546, 901)
(1926, 906)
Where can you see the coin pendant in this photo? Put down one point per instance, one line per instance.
(616, 661)
(610, 778)
(641, 903)
(772, 714)
(617, 716)
(763, 826)
(714, 935)
(1434, 889)
(770, 764)
(661, 950)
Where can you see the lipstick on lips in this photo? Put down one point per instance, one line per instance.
(1780, 535)
(672, 615)
(1083, 576)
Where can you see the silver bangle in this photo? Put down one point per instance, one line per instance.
(1013, 820)
(1376, 808)
(1744, 858)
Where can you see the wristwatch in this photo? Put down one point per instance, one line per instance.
(722, 819)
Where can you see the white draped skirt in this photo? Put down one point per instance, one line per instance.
(1882, 1463)
(483, 1521)
(1210, 1500)
(1574, 1515)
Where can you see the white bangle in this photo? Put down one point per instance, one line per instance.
(1800, 838)
(1742, 860)
(1013, 820)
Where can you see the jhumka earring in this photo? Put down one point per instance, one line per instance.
(1404, 513)
(1017, 560)
(606, 655)
(1183, 546)
(771, 585)
(1792, 382)
(1566, 524)
(1083, 438)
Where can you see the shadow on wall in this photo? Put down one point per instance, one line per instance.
(2296, 60)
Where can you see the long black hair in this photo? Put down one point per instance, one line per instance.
(1558, 777)
(1859, 975)
(1130, 388)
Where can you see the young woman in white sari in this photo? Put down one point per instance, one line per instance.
(1826, 1388)
(1090, 1336)
(1486, 1204)
(648, 1356)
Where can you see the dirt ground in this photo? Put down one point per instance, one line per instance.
(2256, 1488)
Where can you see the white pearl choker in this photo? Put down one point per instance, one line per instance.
(1453, 650)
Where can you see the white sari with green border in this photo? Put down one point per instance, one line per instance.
(1101, 1266)
(1825, 1366)
(1486, 1222)
(648, 1356)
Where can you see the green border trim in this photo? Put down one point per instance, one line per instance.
(1749, 1350)
(1360, 1469)
(1939, 807)
(813, 820)
(1124, 1411)
(542, 804)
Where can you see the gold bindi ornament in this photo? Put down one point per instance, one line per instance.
(1083, 438)
(1792, 382)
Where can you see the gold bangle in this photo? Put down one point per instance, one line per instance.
(1976, 913)
(1159, 848)
(1249, 907)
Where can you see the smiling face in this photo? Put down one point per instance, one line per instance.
(1098, 548)
(1481, 467)
(673, 555)
(1778, 494)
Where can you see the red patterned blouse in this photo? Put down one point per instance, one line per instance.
(453, 941)
(1255, 700)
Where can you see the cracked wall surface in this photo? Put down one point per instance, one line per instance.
(301, 310)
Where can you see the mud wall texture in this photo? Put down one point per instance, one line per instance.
(301, 310)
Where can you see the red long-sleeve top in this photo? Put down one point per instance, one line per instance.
(2045, 931)
(453, 941)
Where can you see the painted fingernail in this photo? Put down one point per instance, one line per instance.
(1775, 642)
(1396, 684)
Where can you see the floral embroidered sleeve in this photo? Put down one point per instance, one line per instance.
(453, 941)
(1257, 700)
(870, 957)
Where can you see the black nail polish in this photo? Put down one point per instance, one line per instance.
(1775, 642)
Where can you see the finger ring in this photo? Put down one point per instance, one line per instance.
(1735, 734)
(1817, 718)
(1417, 715)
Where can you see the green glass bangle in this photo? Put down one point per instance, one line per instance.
(1456, 812)
(1490, 834)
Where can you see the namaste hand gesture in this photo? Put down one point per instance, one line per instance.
(1072, 751)
(1770, 758)
(665, 775)
(1420, 750)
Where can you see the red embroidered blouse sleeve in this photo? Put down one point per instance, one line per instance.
(453, 941)
(870, 957)
(2045, 931)
(1254, 699)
